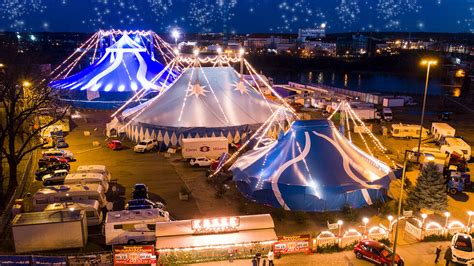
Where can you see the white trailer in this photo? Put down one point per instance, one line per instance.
(457, 145)
(131, 227)
(407, 131)
(94, 168)
(442, 130)
(211, 148)
(365, 113)
(87, 178)
(41, 231)
(393, 102)
(91, 207)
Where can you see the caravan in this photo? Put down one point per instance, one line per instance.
(89, 178)
(457, 145)
(97, 169)
(131, 227)
(70, 193)
(407, 131)
(91, 207)
(440, 131)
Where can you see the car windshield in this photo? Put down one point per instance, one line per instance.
(142, 143)
(463, 244)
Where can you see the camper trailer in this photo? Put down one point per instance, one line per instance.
(440, 131)
(98, 169)
(131, 227)
(457, 145)
(69, 193)
(41, 231)
(91, 207)
(407, 131)
(87, 178)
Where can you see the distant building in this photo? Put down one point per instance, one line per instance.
(312, 33)
(283, 42)
(353, 45)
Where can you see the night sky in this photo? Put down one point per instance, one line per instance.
(242, 16)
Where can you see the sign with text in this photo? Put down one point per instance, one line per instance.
(133, 255)
(292, 244)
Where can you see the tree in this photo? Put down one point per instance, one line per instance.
(430, 190)
(24, 97)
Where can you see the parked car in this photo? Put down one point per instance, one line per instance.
(461, 246)
(48, 169)
(140, 204)
(115, 145)
(145, 145)
(200, 161)
(61, 143)
(50, 160)
(140, 191)
(68, 155)
(376, 252)
(55, 178)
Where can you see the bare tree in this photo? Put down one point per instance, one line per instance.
(25, 97)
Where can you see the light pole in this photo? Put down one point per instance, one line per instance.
(423, 216)
(446, 214)
(400, 198)
(365, 220)
(469, 225)
(427, 63)
(339, 225)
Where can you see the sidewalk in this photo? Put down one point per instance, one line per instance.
(422, 253)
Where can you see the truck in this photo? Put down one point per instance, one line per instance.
(42, 231)
(387, 114)
(440, 131)
(457, 145)
(131, 227)
(393, 102)
(407, 131)
(210, 148)
(91, 207)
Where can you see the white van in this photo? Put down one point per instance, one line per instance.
(95, 168)
(457, 145)
(131, 227)
(91, 207)
(89, 178)
(407, 131)
(69, 193)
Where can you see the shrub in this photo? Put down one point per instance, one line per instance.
(436, 238)
(328, 248)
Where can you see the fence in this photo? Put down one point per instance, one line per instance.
(99, 259)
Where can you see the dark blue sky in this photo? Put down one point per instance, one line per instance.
(243, 16)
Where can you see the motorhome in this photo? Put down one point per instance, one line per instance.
(87, 178)
(407, 131)
(94, 168)
(440, 131)
(69, 193)
(91, 207)
(131, 227)
(457, 145)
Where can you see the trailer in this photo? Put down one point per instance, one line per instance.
(393, 102)
(210, 148)
(407, 131)
(365, 113)
(457, 145)
(42, 231)
(440, 131)
(91, 207)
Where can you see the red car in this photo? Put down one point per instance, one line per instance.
(50, 160)
(376, 252)
(115, 145)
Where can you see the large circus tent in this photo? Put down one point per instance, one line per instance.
(202, 102)
(312, 167)
(126, 66)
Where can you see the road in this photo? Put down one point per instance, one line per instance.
(421, 254)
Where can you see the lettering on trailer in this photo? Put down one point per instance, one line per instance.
(205, 149)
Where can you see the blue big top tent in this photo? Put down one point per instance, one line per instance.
(125, 68)
(203, 102)
(311, 168)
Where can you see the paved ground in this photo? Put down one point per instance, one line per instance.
(422, 254)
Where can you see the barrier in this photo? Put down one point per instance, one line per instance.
(413, 230)
(326, 238)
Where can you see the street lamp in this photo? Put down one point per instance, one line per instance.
(390, 219)
(423, 216)
(196, 52)
(427, 63)
(26, 84)
(219, 50)
(446, 214)
(400, 198)
(175, 34)
(365, 220)
(339, 225)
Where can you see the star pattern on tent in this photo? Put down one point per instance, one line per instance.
(198, 90)
(240, 86)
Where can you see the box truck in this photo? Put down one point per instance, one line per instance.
(41, 231)
(210, 148)
(441, 131)
(393, 102)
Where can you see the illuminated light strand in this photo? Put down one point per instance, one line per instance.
(72, 55)
(213, 93)
(335, 110)
(270, 87)
(148, 104)
(217, 246)
(360, 134)
(121, 32)
(187, 94)
(95, 50)
(348, 127)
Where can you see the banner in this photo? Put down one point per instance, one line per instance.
(136, 255)
(292, 244)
